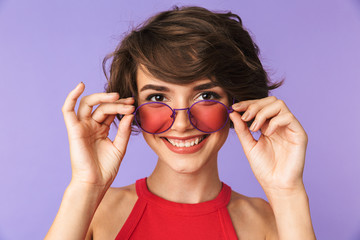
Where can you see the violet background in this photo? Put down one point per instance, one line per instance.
(48, 47)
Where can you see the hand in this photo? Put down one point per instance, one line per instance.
(277, 158)
(95, 159)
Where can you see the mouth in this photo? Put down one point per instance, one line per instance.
(185, 145)
(186, 142)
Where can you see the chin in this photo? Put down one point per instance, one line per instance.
(185, 165)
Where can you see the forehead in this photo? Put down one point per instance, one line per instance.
(143, 78)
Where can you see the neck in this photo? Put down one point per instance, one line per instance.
(194, 187)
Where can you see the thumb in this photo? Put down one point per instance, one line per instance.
(246, 139)
(123, 134)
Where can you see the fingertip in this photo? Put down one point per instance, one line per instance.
(268, 132)
(243, 133)
(130, 100)
(239, 124)
(235, 106)
(123, 133)
(126, 121)
(80, 87)
(234, 113)
(131, 117)
(240, 106)
(81, 84)
(235, 117)
(112, 95)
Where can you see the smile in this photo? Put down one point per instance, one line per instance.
(186, 143)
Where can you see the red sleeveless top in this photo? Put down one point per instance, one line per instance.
(156, 218)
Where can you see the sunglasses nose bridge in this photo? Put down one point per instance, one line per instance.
(184, 121)
(181, 109)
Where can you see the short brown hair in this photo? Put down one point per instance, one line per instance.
(187, 44)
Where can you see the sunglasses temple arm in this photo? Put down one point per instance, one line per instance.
(230, 110)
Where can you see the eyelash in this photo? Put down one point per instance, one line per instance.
(214, 95)
(154, 95)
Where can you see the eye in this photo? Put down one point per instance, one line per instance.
(155, 98)
(208, 96)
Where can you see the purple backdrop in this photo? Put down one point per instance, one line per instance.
(47, 47)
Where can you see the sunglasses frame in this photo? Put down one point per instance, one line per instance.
(228, 109)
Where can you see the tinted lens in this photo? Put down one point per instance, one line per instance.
(208, 116)
(154, 117)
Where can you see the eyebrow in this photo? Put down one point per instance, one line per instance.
(166, 89)
(155, 87)
(205, 86)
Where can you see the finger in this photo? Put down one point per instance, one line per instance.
(246, 139)
(88, 102)
(129, 100)
(283, 120)
(105, 109)
(69, 104)
(123, 134)
(243, 105)
(267, 112)
(109, 120)
(251, 107)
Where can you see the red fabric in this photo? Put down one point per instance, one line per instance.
(156, 218)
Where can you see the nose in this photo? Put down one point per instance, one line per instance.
(181, 121)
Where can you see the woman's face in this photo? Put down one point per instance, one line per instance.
(172, 146)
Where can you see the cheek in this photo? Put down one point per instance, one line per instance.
(153, 142)
(148, 138)
(221, 136)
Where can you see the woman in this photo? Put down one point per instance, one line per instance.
(185, 77)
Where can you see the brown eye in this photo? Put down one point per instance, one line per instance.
(159, 98)
(206, 96)
(155, 98)
(209, 96)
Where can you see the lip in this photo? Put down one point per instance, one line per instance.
(185, 150)
(184, 138)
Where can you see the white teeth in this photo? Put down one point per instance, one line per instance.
(180, 143)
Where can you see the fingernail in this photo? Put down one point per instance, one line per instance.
(253, 126)
(79, 84)
(245, 116)
(236, 105)
(269, 132)
(112, 94)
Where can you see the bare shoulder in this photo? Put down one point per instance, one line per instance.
(112, 212)
(253, 218)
